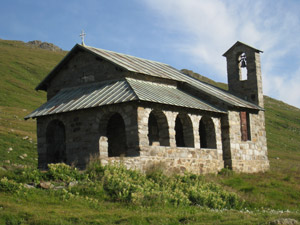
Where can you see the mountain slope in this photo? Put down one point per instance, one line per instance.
(23, 67)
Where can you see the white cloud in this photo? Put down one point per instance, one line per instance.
(211, 27)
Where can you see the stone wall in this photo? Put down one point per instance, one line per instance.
(86, 136)
(81, 69)
(194, 159)
(84, 128)
(247, 156)
(173, 160)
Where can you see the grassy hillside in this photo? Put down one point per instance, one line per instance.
(22, 68)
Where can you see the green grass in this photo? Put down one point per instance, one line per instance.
(22, 68)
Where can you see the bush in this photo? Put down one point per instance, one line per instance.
(63, 172)
(155, 188)
(9, 185)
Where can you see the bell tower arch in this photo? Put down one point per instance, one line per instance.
(244, 73)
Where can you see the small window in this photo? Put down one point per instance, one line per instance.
(245, 126)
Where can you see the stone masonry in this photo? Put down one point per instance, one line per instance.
(218, 132)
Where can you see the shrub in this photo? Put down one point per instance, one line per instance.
(156, 188)
(94, 169)
(9, 185)
(63, 172)
(31, 175)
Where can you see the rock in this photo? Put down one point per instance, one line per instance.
(277, 158)
(20, 166)
(58, 187)
(10, 149)
(73, 183)
(284, 221)
(24, 155)
(44, 45)
(25, 138)
(7, 161)
(24, 110)
(28, 186)
(46, 185)
(21, 157)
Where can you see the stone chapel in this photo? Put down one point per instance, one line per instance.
(122, 108)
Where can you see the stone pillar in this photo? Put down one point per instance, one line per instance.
(103, 147)
(41, 143)
(129, 114)
(195, 122)
(217, 124)
(171, 117)
(143, 117)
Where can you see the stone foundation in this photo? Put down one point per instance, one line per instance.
(173, 160)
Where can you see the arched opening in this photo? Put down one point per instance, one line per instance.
(243, 71)
(56, 142)
(116, 135)
(158, 129)
(207, 133)
(184, 131)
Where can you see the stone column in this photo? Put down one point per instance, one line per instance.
(195, 122)
(217, 124)
(171, 117)
(143, 117)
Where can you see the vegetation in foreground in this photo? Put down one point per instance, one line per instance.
(105, 190)
(265, 196)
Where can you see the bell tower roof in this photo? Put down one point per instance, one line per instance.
(237, 44)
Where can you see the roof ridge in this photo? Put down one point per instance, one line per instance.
(119, 53)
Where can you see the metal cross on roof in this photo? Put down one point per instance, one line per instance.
(82, 35)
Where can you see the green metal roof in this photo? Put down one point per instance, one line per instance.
(113, 92)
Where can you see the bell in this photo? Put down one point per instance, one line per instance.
(243, 63)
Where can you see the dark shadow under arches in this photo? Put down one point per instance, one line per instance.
(56, 142)
(207, 133)
(116, 135)
(184, 131)
(158, 129)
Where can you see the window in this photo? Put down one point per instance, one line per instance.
(245, 126)
(243, 72)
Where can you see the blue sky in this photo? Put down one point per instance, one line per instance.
(190, 34)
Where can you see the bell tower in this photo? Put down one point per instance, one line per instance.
(244, 73)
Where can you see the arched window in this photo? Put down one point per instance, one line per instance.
(243, 71)
(56, 142)
(184, 131)
(158, 129)
(116, 135)
(207, 133)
